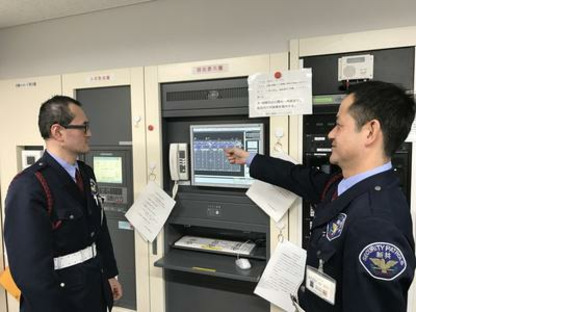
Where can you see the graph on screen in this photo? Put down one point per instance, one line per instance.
(209, 164)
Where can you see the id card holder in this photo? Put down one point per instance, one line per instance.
(320, 284)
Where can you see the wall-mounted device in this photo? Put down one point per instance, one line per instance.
(108, 167)
(178, 161)
(354, 67)
(29, 157)
(209, 164)
(112, 169)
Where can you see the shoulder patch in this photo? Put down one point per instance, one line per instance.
(334, 227)
(383, 261)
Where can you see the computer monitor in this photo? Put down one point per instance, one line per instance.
(209, 165)
(108, 169)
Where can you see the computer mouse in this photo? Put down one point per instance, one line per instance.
(243, 264)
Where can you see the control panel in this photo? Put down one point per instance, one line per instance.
(114, 198)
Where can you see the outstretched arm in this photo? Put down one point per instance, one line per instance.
(301, 180)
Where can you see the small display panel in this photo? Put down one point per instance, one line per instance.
(209, 165)
(108, 169)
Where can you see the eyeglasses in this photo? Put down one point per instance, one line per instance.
(84, 127)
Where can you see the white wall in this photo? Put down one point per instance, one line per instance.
(170, 31)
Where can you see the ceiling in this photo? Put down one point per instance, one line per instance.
(20, 12)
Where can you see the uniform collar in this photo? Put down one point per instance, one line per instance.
(70, 169)
(345, 184)
(328, 211)
(61, 173)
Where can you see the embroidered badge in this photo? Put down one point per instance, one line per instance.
(94, 187)
(383, 261)
(96, 196)
(334, 228)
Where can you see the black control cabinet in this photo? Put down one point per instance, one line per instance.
(109, 112)
(203, 280)
(390, 65)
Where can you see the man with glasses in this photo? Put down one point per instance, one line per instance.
(57, 241)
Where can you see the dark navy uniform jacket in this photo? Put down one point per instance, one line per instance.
(364, 236)
(32, 243)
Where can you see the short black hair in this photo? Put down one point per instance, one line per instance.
(55, 111)
(387, 103)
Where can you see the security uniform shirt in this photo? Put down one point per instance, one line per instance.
(363, 238)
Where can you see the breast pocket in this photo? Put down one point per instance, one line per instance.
(69, 214)
(69, 225)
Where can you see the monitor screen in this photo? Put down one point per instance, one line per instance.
(209, 165)
(108, 169)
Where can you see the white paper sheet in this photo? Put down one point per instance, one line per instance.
(281, 93)
(273, 200)
(283, 275)
(150, 211)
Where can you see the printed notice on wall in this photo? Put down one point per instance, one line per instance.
(280, 93)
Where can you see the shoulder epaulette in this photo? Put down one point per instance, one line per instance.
(37, 166)
(40, 165)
